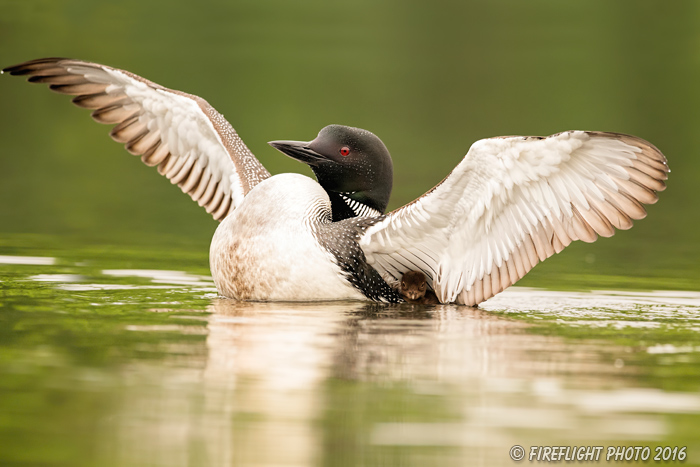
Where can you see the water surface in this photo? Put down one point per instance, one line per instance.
(115, 350)
(106, 364)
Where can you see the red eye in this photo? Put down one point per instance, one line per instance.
(344, 151)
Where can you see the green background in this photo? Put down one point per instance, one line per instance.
(427, 78)
(150, 368)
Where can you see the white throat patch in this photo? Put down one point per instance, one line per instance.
(361, 210)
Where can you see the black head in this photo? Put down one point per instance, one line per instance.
(351, 164)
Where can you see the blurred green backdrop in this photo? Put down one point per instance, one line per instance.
(429, 78)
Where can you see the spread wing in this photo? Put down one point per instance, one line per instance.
(190, 142)
(512, 202)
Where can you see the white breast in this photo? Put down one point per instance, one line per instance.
(266, 249)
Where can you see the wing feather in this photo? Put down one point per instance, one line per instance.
(190, 142)
(513, 202)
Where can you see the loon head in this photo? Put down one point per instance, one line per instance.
(413, 285)
(351, 164)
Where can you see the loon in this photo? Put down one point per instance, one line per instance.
(510, 203)
(414, 289)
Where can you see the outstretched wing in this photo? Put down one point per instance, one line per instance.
(512, 202)
(190, 142)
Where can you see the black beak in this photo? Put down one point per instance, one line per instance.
(298, 150)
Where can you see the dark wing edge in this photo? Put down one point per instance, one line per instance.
(148, 125)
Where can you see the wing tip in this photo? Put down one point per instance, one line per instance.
(647, 149)
(27, 67)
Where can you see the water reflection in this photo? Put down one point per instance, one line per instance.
(207, 381)
(29, 260)
(589, 303)
(159, 276)
(300, 384)
(266, 365)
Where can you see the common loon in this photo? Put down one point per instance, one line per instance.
(414, 289)
(351, 164)
(510, 203)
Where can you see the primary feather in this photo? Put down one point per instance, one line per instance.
(510, 203)
(191, 143)
(513, 202)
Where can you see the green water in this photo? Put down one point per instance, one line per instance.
(104, 364)
(115, 350)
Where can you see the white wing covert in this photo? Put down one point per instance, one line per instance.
(191, 143)
(512, 202)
